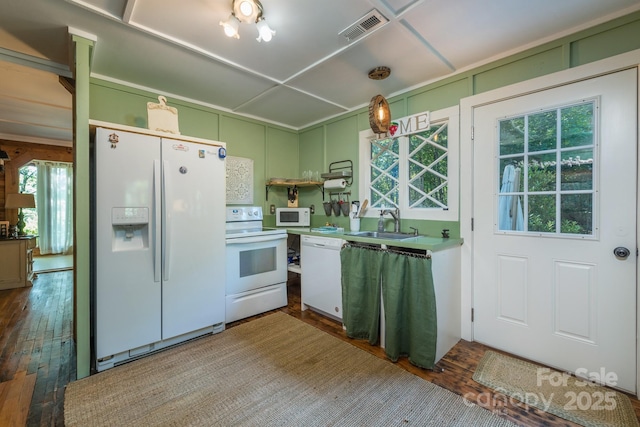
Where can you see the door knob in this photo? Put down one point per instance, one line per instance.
(621, 252)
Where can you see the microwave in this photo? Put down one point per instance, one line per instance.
(293, 217)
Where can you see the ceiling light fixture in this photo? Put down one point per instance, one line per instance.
(247, 12)
(379, 73)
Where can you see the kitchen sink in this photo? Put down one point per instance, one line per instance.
(382, 235)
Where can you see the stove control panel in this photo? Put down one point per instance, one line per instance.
(244, 213)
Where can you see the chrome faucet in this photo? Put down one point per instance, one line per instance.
(395, 213)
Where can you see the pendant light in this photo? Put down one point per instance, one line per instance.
(379, 114)
(379, 111)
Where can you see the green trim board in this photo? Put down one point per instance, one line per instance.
(82, 211)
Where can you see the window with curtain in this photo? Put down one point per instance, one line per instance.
(54, 201)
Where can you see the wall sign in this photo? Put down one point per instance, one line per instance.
(410, 124)
(239, 180)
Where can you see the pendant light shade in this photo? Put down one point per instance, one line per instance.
(264, 32)
(379, 114)
(230, 27)
(247, 12)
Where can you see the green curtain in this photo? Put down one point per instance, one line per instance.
(361, 292)
(409, 309)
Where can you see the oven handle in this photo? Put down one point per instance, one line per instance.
(255, 239)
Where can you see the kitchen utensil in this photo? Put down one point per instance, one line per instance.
(292, 194)
(355, 207)
(363, 207)
(336, 207)
(327, 208)
(345, 208)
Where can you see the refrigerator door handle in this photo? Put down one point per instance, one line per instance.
(156, 221)
(166, 223)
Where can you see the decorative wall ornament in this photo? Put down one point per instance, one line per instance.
(410, 124)
(379, 114)
(239, 180)
(161, 117)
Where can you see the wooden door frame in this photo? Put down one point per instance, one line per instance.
(467, 105)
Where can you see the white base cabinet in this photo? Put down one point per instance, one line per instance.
(17, 262)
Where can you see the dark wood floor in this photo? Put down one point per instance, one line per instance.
(37, 356)
(37, 352)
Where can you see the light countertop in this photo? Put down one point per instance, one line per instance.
(419, 242)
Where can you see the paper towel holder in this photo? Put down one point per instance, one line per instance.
(342, 169)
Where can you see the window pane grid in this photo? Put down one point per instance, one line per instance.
(428, 154)
(385, 165)
(417, 163)
(546, 162)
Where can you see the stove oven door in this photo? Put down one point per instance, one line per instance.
(255, 262)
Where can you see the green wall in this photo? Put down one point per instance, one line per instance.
(281, 152)
(285, 153)
(273, 149)
(339, 136)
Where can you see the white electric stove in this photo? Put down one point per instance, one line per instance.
(256, 264)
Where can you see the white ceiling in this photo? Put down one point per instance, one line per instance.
(306, 74)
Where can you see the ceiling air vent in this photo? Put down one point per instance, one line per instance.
(364, 25)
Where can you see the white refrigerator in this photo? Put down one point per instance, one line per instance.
(159, 254)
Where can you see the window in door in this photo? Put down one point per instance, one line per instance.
(547, 171)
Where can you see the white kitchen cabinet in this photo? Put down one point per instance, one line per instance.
(445, 267)
(17, 260)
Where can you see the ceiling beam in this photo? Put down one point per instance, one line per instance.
(68, 84)
(34, 62)
(128, 11)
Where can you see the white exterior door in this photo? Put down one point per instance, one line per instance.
(554, 194)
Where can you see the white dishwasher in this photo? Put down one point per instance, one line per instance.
(321, 288)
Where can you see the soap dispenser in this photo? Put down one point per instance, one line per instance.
(381, 222)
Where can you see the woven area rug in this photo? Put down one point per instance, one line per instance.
(272, 371)
(558, 393)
